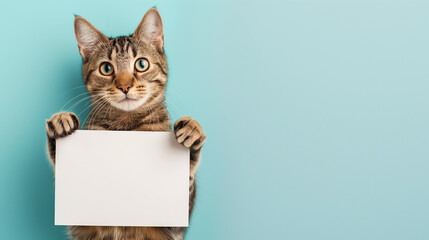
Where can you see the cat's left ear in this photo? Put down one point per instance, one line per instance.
(150, 29)
(88, 37)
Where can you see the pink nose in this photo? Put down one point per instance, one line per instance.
(124, 87)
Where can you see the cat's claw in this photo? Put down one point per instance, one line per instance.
(62, 124)
(189, 133)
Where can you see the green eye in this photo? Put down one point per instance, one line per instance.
(142, 64)
(106, 69)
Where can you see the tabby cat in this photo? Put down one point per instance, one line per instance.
(126, 78)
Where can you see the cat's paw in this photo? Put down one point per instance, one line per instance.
(189, 133)
(61, 125)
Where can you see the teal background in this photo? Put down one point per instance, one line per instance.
(316, 112)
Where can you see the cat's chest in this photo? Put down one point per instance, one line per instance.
(117, 126)
(120, 233)
(132, 233)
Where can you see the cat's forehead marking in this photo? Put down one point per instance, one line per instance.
(122, 52)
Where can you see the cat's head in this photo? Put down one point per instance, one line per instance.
(126, 72)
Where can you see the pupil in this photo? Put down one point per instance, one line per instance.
(142, 65)
(106, 68)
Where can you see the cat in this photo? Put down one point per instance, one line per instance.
(126, 78)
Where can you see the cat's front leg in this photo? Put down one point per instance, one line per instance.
(190, 134)
(58, 126)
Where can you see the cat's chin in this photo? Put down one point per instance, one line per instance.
(128, 105)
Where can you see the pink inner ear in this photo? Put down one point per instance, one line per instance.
(154, 30)
(150, 29)
(87, 36)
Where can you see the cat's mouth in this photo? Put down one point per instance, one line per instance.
(127, 99)
(128, 103)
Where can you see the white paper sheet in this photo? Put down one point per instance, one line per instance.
(117, 178)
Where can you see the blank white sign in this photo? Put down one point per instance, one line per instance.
(118, 178)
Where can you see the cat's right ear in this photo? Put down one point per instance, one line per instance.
(88, 37)
(150, 29)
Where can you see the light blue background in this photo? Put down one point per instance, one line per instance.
(317, 113)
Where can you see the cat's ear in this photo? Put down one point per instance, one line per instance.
(150, 29)
(88, 37)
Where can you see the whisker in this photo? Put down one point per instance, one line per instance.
(73, 99)
(95, 110)
(82, 100)
(92, 104)
(71, 89)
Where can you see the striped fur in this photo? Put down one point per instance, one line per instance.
(143, 111)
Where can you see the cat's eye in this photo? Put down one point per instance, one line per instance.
(142, 65)
(106, 69)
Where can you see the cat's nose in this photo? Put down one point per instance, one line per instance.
(124, 87)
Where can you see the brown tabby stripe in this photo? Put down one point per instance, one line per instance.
(75, 121)
(109, 54)
(86, 78)
(161, 68)
(133, 49)
(122, 44)
(51, 149)
(192, 194)
(159, 82)
(51, 127)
